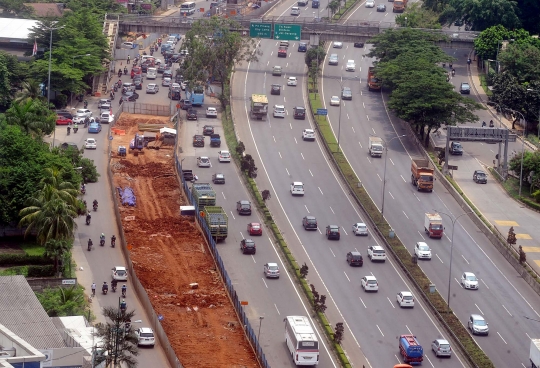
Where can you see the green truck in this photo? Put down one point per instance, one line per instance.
(217, 222)
(204, 194)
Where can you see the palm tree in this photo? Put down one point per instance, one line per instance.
(56, 249)
(29, 115)
(120, 346)
(333, 5)
(65, 190)
(30, 91)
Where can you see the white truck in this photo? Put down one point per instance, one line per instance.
(534, 355)
(375, 146)
(151, 73)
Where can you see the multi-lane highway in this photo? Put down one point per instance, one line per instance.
(503, 299)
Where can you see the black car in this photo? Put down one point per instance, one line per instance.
(208, 130)
(309, 223)
(247, 246)
(480, 177)
(131, 98)
(456, 148)
(332, 232)
(299, 112)
(179, 78)
(161, 68)
(138, 83)
(276, 89)
(355, 259)
(302, 47)
(175, 57)
(174, 95)
(144, 68)
(198, 140)
(167, 73)
(218, 178)
(359, 44)
(243, 207)
(346, 93)
(185, 104)
(191, 114)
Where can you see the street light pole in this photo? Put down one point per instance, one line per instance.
(73, 67)
(49, 77)
(339, 122)
(454, 220)
(260, 323)
(522, 155)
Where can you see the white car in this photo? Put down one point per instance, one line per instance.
(369, 283)
(84, 112)
(145, 336)
(422, 250)
(351, 66)
(334, 101)
(90, 143)
(279, 111)
(203, 162)
(297, 188)
(337, 45)
(183, 85)
(292, 81)
(360, 229)
(271, 270)
(211, 112)
(79, 119)
(224, 156)
(370, 3)
(469, 281)
(376, 253)
(308, 135)
(405, 299)
(295, 10)
(151, 73)
(106, 118)
(119, 273)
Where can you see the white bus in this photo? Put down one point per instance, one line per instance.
(187, 8)
(301, 340)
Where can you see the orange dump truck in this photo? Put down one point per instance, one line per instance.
(422, 174)
(373, 83)
(399, 6)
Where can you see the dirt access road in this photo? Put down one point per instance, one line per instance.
(169, 253)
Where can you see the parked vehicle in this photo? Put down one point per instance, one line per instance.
(422, 174)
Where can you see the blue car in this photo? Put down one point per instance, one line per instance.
(94, 128)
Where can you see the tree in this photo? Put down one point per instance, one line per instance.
(30, 91)
(248, 164)
(334, 6)
(213, 50)
(32, 116)
(315, 54)
(304, 270)
(418, 16)
(482, 14)
(119, 345)
(522, 256)
(240, 148)
(5, 88)
(319, 301)
(490, 39)
(266, 195)
(61, 302)
(56, 249)
(522, 61)
(531, 165)
(338, 332)
(511, 239)
(14, 8)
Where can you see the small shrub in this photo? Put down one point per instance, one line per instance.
(41, 271)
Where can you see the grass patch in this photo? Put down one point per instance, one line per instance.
(483, 83)
(33, 249)
(473, 351)
(17, 270)
(344, 9)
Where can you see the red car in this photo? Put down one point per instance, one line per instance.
(136, 71)
(254, 228)
(61, 120)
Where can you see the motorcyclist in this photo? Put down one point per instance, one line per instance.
(119, 73)
(102, 239)
(483, 124)
(124, 290)
(128, 59)
(113, 240)
(95, 204)
(114, 284)
(69, 129)
(453, 72)
(105, 287)
(469, 61)
(450, 65)
(85, 205)
(88, 218)
(90, 244)
(123, 305)
(85, 104)
(125, 70)
(75, 127)
(491, 124)
(93, 287)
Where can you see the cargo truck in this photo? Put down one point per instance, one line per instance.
(422, 174)
(217, 222)
(375, 146)
(259, 106)
(534, 355)
(373, 83)
(399, 6)
(203, 194)
(410, 349)
(433, 225)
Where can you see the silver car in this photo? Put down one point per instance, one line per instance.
(441, 347)
(333, 59)
(271, 270)
(152, 88)
(478, 325)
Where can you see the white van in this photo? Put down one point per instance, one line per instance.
(145, 57)
(151, 73)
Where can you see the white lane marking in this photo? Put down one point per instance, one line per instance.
(301, 154)
(408, 329)
(254, 261)
(403, 178)
(392, 161)
(436, 255)
(507, 310)
(295, 140)
(265, 282)
(274, 139)
(347, 276)
(379, 177)
(320, 190)
(310, 172)
(277, 309)
(414, 193)
(280, 155)
(332, 210)
(223, 194)
(405, 215)
(232, 215)
(484, 283)
(344, 230)
(287, 172)
(392, 304)
(465, 259)
(479, 308)
(502, 338)
(364, 304)
(242, 235)
(332, 252)
(391, 195)
(421, 235)
(380, 330)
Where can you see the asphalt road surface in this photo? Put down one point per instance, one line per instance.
(503, 298)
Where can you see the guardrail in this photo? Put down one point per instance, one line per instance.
(250, 334)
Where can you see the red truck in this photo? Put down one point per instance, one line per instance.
(433, 225)
(373, 83)
(399, 6)
(282, 52)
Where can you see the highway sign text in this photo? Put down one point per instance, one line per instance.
(288, 32)
(260, 30)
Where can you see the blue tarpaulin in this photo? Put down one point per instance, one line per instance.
(127, 197)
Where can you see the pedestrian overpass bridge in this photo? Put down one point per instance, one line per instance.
(347, 31)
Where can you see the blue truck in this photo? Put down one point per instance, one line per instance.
(410, 349)
(196, 96)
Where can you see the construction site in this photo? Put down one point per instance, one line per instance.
(168, 251)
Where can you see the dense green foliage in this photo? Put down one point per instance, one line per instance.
(531, 167)
(421, 95)
(60, 302)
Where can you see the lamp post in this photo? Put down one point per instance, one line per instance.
(522, 154)
(385, 161)
(454, 220)
(260, 323)
(405, 22)
(51, 29)
(73, 67)
(339, 120)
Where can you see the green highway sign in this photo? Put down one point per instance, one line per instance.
(260, 30)
(288, 32)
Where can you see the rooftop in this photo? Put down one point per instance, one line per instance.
(16, 29)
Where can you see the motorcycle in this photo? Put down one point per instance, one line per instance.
(453, 73)
(85, 104)
(89, 247)
(104, 290)
(88, 218)
(125, 71)
(68, 130)
(119, 73)
(95, 207)
(113, 242)
(112, 96)
(75, 130)
(123, 293)
(102, 242)
(115, 88)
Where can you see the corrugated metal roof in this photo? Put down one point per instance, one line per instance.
(16, 29)
(22, 313)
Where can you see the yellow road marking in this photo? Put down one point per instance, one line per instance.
(537, 262)
(506, 223)
(523, 236)
(530, 249)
